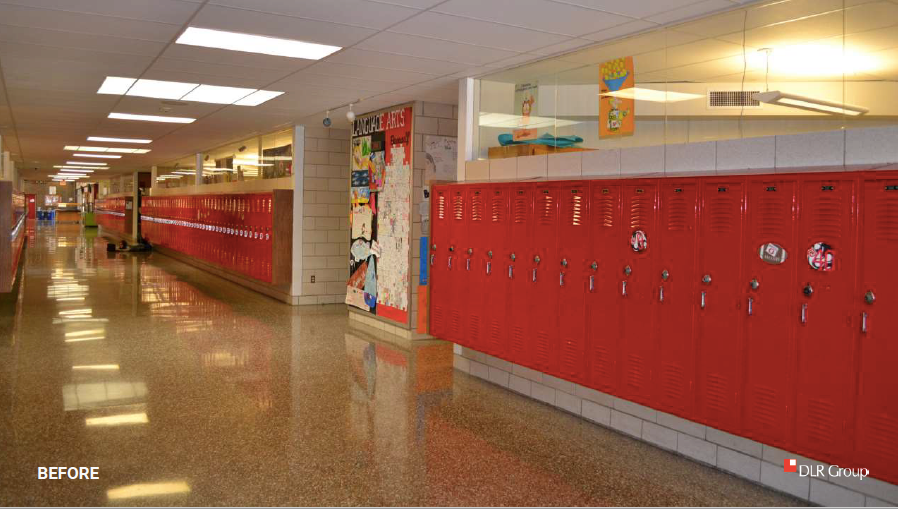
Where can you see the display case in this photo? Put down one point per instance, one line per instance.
(13, 214)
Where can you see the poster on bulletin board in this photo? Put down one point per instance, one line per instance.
(380, 213)
(616, 103)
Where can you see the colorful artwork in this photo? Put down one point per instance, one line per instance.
(380, 194)
(525, 105)
(616, 103)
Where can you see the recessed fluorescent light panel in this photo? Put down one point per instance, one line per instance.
(118, 140)
(196, 92)
(151, 118)
(250, 43)
(115, 85)
(69, 169)
(109, 149)
(86, 163)
(98, 156)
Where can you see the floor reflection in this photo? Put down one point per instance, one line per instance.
(184, 389)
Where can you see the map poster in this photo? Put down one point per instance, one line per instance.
(380, 213)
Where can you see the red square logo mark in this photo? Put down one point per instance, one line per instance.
(790, 465)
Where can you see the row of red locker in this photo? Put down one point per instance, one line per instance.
(109, 213)
(763, 306)
(233, 231)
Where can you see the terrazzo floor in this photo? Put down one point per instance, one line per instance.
(185, 389)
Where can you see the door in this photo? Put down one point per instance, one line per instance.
(573, 266)
(876, 299)
(32, 208)
(439, 246)
(674, 279)
(603, 302)
(473, 271)
(823, 319)
(543, 274)
(455, 330)
(717, 303)
(637, 346)
(497, 284)
(770, 260)
(521, 201)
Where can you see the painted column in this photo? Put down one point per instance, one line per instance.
(154, 172)
(198, 175)
(299, 149)
(468, 106)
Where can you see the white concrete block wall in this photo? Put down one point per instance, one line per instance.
(325, 216)
(745, 458)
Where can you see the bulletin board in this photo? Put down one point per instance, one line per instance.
(380, 213)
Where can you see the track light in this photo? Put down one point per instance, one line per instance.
(350, 116)
(807, 103)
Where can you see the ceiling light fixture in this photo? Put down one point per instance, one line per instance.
(151, 118)
(258, 97)
(118, 140)
(217, 95)
(77, 167)
(808, 103)
(97, 156)
(178, 91)
(158, 89)
(70, 169)
(250, 43)
(86, 163)
(108, 149)
(116, 85)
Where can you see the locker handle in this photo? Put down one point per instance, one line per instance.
(703, 300)
(488, 267)
(804, 313)
(750, 302)
(592, 283)
(624, 288)
(561, 279)
(661, 293)
(510, 271)
(864, 322)
(534, 275)
(450, 261)
(468, 264)
(431, 259)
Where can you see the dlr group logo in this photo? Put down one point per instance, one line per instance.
(791, 465)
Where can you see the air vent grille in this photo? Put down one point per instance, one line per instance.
(730, 99)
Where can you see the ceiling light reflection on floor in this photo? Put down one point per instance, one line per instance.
(91, 332)
(96, 367)
(148, 490)
(117, 420)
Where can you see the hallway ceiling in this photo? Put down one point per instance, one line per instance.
(55, 54)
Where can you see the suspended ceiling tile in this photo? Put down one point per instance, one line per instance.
(88, 42)
(691, 11)
(163, 11)
(350, 12)
(535, 14)
(219, 70)
(416, 4)
(259, 23)
(304, 77)
(235, 58)
(367, 73)
(247, 81)
(386, 61)
(632, 9)
(555, 49)
(432, 48)
(90, 24)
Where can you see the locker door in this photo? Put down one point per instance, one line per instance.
(603, 286)
(497, 283)
(719, 303)
(637, 292)
(771, 258)
(543, 275)
(825, 336)
(439, 245)
(573, 267)
(519, 231)
(876, 299)
(472, 269)
(455, 330)
(674, 279)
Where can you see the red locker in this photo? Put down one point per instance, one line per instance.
(573, 264)
(719, 302)
(542, 267)
(771, 258)
(439, 246)
(637, 292)
(497, 284)
(604, 284)
(519, 231)
(674, 279)
(876, 299)
(473, 271)
(824, 320)
(456, 295)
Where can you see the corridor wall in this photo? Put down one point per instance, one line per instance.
(758, 305)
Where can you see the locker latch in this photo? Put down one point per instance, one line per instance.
(808, 290)
(627, 270)
(754, 284)
(665, 274)
(592, 277)
(706, 279)
(869, 297)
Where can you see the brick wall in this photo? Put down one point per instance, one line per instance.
(325, 240)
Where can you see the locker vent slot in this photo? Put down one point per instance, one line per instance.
(640, 210)
(541, 347)
(716, 393)
(438, 318)
(676, 213)
(495, 335)
(722, 213)
(498, 211)
(569, 357)
(474, 328)
(520, 209)
(441, 206)
(458, 207)
(477, 207)
(826, 217)
(574, 213)
(774, 212)
(764, 407)
(604, 210)
(635, 372)
(601, 368)
(882, 434)
(455, 325)
(887, 217)
(546, 209)
(517, 341)
(672, 378)
(820, 421)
